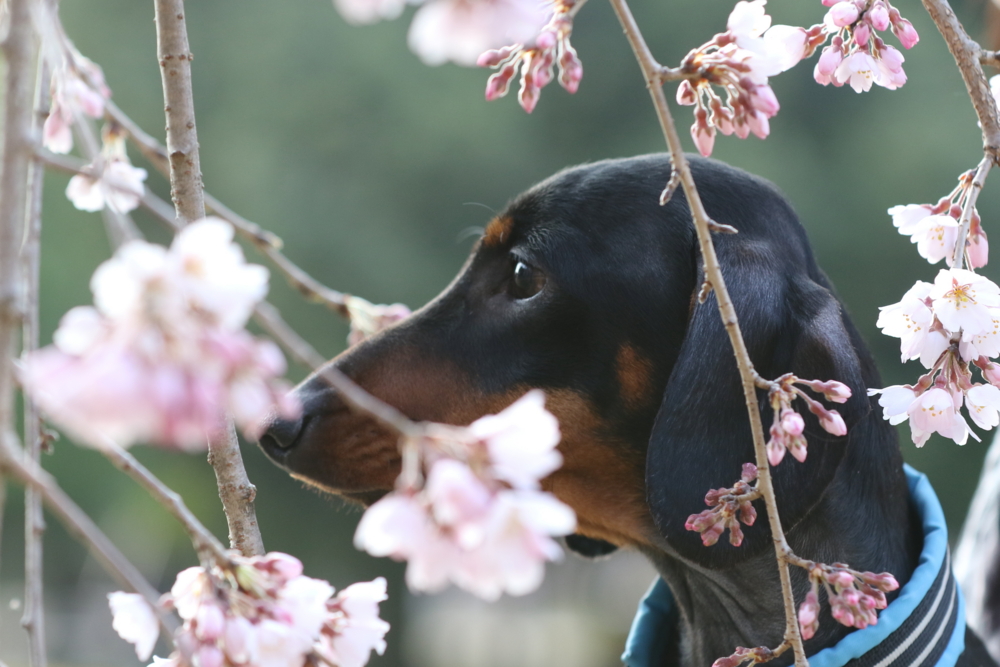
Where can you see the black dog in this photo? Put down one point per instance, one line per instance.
(586, 287)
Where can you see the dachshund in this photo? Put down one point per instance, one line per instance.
(586, 287)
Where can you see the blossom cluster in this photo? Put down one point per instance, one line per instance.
(740, 61)
(258, 612)
(788, 426)
(109, 181)
(744, 655)
(934, 228)
(551, 48)
(479, 519)
(857, 55)
(853, 596)
(162, 356)
(78, 90)
(947, 325)
(728, 507)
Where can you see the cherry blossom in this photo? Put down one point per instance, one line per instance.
(135, 622)
(359, 12)
(110, 181)
(740, 61)
(367, 319)
(479, 519)
(728, 508)
(78, 89)
(162, 356)
(857, 55)
(537, 59)
(912, 321)
(935, 228)
(263, 611)
(853, 596)
(964, 300)
(462, 30)
(788, 426)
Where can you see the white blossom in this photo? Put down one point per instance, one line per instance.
(134, 621)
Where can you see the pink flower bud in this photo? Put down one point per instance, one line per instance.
(494, 57)
(209, 656)
(792, 422)
(209, 622)
(878, 15)
(775, 451)
(862, 33)
(499, 82)
(905, 32)
(759, 124)
(686, 95)
(528, 96)
(748, 514)
(892, 59)
(977, 246)
(749, 473)
(763, 99)
(841, 579)
(829, 61)
(832, 422)
(285, 566)
(843, 14)
(711, 536)
(702, 133)
(238, 638)
(546, 40)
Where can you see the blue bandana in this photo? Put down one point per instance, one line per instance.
(923, 627)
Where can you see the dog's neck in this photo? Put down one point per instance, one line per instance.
(864, 519)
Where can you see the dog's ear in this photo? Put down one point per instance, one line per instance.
(791, 323)
(588, 547)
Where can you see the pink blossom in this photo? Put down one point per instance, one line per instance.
(163, 356)
(829, 61)
(934, 411)
(895, 401)
(905, 32)
(135, 622)
(809, 614)
(983, 402)
(878, 15)
(521, 441)
(353, 629)
(964, 300)
(859, 70)
(912, 321)
(72, 96)
(729, 507)
(119, 186)
(359, 12)
(367, 319)
(461, 30)
(748, 21)
(905, 218)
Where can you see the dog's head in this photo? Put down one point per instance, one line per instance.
(586, 287)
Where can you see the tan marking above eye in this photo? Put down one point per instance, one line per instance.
(498, 231)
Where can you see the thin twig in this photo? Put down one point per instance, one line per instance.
(702, 223)
(270, 320)
(174, 55)
(975, 187)
(266, 242)
(33, 619)
(187, 192)
(967, 54)
(236, 492)
(359, 399)
(79, 525)
(205, 543)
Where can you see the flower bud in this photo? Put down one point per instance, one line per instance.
(878, 15)
(905, 32)
(209, 622)
(862, 33)
(209, 656)
(843, 14)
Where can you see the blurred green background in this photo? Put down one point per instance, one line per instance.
(370, 165)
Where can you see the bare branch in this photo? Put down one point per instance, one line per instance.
(652, 72)
(33, 620)
(207, 546)
(186, 189)
(174, 54)
(266, 242)
(958, 254)
(991, 58)
(79, 525)
(967, 54)
(236, 492)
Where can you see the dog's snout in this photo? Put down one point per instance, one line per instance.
(281, 434)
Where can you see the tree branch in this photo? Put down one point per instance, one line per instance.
(967, 54)
(978, 181)
(80, 526)
(33, 620)
(652, 72)
(186, 190)
(266, 242)
(270, 320)
(207, 546)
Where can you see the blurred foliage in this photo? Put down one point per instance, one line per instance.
(370, 165)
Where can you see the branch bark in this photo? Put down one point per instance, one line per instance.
(652, 72)
(187, 192)
(33, 620)
(174, 54)
(967, 54)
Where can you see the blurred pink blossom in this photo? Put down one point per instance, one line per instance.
(163, 356)
(367, 319)
(134, 621)
(77, 89)
(111, 180)
(479, 520)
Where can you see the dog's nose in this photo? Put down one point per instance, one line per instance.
(281, 434)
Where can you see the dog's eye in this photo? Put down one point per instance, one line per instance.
(527, 281)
